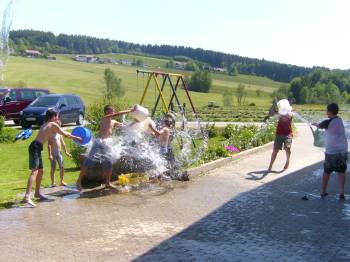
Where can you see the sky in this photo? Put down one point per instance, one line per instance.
(300, 32)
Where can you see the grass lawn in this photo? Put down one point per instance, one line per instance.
(67, 76)
(15, 172)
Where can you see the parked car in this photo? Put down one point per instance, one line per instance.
(14, 100)
(70, 107)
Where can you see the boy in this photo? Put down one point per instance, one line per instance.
(101, 148)
(47, 131)
(54, 150)
(336, 154)
(283, 139)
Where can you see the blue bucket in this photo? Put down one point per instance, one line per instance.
(84, 133)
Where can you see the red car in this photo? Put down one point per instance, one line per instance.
(14, 100)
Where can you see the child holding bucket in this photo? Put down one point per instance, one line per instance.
(284, 133)
(101, 148)
(47, 131)
(336, 154)
(54, 149)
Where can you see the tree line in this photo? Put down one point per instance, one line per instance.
(319, 86)
(80, 44)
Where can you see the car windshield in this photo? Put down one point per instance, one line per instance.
(45, 101)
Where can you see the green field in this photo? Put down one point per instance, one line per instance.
(67, 76)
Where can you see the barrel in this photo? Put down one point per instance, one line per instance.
(84, 133)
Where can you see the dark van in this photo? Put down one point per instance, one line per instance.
(14, 100)
(70, 107)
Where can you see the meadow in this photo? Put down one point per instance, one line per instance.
(86, 79)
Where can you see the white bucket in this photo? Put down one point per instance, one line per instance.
(284, 107)
(140, 113)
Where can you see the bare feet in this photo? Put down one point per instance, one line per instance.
(323, 194)
(63, 183)
(268, 170)
(41, 197)
(286, 166)
(29, 201)
(110, 186)
(53, 185)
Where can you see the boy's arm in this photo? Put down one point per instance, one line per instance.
(119, 113)
(158, 133)
(66, 134)
(65, 147)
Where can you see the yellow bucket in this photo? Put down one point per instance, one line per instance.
(132, 179)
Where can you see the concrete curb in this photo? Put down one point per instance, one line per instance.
(192, 172)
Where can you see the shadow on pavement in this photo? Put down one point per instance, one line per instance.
(268, 223)
(261, 174)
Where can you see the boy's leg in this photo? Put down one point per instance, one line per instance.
(288, 153)
(38, 184)
(107, 172)
(52, 172)
(83, 170)
(62, 176)
(273, 158)
(341, 179)
(31, 180)
(325, 180)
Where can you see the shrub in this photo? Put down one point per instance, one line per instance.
(212, 131)
(2, 122)
(7, 135)
(76, 151)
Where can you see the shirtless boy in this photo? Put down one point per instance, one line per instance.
(46, 132)
(54, 149)
(100, 147)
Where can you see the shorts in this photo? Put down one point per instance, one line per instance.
(282, 142)
(163, 150)
(99, 154)
(35, 158)
(57, 156)
(335, 162)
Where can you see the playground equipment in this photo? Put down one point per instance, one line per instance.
(167, 81)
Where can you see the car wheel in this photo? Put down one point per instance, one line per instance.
(80, 120)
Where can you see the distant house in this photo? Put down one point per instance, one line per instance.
(105, 60)
(179, 65)
(32, 53)
(125, 62)
(219, 69)
(86, 58)
(51, 58)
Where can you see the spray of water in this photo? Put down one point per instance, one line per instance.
(6, 22)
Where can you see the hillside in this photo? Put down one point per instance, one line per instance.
(75, 44)
(67, 76)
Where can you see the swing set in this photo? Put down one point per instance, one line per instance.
(166, 80)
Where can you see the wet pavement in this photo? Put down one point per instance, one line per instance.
(234, 213)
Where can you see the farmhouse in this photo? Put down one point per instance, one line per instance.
(86, 58)
(32, 53)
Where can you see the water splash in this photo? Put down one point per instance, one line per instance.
(6, 22)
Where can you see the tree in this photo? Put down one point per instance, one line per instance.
(283, 92)
(232, 70)
(227, 98)
(241, 93)
(113, 86)
(200, 82)
(295, 86)
(304, 96)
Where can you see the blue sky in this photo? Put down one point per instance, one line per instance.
(301, 32)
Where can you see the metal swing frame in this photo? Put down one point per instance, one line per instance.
(153, 75)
